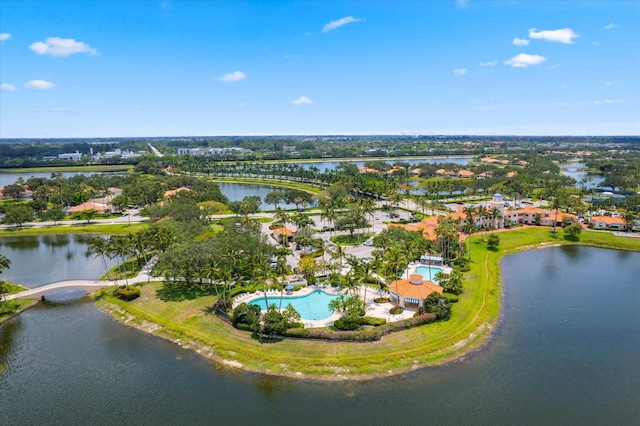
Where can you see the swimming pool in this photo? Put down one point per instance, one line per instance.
(313, 306)
(424, 271)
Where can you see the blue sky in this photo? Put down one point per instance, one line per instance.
(193, 68)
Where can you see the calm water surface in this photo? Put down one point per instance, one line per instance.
(8, 178)
(565, 352)
(45, 259)
(329, 165)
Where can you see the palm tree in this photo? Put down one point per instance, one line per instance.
(5, 263)
(481, 212)
(367, 207)
(121, 246)
(100, 247)
(337, 252)
(363, 274)
(495, 214)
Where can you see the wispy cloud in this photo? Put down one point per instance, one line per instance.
(6, 87)
(610, 26)
(57, 110)
(552, 67)
(56, 46)
(233, 77)
(524, 60)
(606, 101)
(564, 35)
(462, 3)
(302, 100)
(339, 23)
(293, 56)
(489, 64)
(460, 71)
(608, 83)
(5, 37)
(521, 41)
(39, 85)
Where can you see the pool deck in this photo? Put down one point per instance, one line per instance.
(411, 269)
(378, 310)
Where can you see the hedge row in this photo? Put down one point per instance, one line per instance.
(364, 335)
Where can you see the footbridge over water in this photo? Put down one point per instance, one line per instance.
(89, 286)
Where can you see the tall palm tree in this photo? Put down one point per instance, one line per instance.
(99, 247)
(120, 246)
(5, 263)
(368, 207)
(495, 214)
(363, 274)
(481, 212)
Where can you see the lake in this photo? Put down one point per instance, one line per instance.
(576, 171)
(330, 165)
(44, 259)
(237, 191)
(565, 351)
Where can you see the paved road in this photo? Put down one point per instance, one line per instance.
(155, 151)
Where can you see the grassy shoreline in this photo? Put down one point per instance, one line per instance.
(93, 228)
(281, 184)
(469, 328)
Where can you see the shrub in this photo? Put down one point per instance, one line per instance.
(244, 327)
(245, 313)
(297, 332)
(381, 300)
(375, 322)
(362, 335)
(493, 241)
(297, 288)
(347, 323)
(128, 294)
(396, 310)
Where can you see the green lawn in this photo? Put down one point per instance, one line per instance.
(471, 322)
(94, 228)
(346, 240)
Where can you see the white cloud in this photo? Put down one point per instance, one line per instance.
(564, 35)
(606, 101)
(552, 67)
(462, 3)
(6, 87)
(5, 37)
(63, 111)
(233, 76)
(610, 26)
(489, 64)
(608, 83)
(521, 41)
(56, 46)
(523, 60)
(39, 85)
(460, 71)
(302, 100)
(340, 22)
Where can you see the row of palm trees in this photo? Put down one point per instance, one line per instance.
(141, 245)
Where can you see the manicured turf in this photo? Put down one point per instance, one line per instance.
(94, 228)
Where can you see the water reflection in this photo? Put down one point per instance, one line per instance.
(556, 357)
(38, 260)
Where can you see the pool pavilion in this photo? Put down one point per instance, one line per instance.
(410, 294)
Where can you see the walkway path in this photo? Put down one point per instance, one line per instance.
(87, 285)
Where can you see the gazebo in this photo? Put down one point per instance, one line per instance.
(412, 291)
